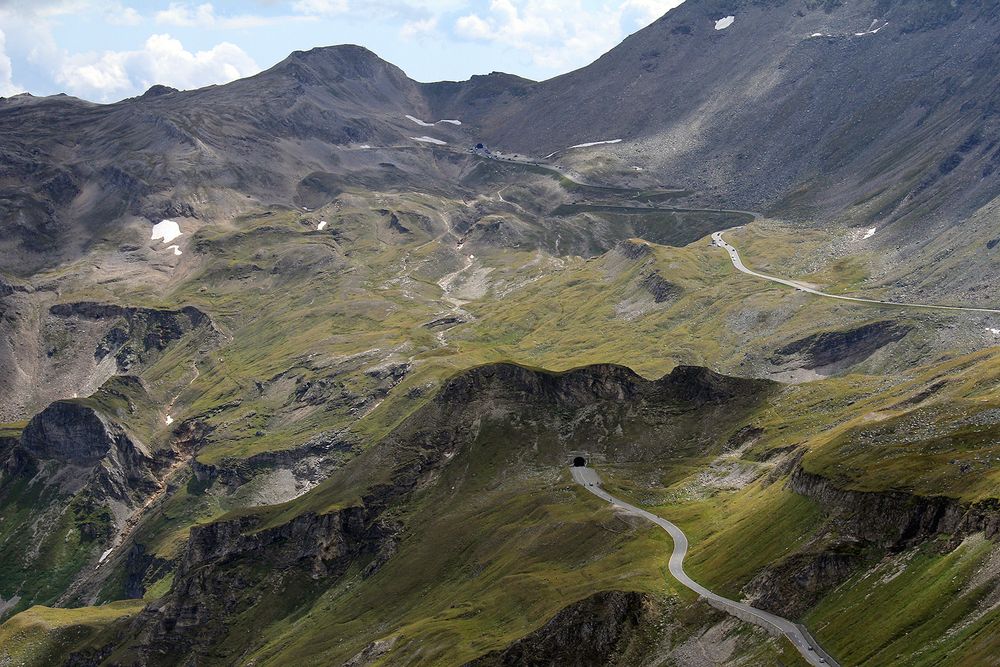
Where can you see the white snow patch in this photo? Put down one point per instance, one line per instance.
(871, 29)
(169, 420)
(870, 233)
(321, 225)
(105, 555)
(167, 230)
(995, 332)
(430, 140)
(724, 22)
(419, 122)
(422, 123)
(596, 143)
(364, 147)
(176, 249)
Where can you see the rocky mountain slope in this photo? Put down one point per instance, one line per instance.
(307, 422)
(797, 108)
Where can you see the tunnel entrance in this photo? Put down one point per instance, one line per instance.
(579, 462)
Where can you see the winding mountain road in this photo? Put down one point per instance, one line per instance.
(738, 263)
(796, 633)
(734, 255)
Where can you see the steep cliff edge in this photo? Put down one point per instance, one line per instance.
(587, 633)
(52, 352)
(68, 486)
(861, 528)
(491, 423)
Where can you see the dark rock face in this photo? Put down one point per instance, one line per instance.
(225, 560)
(893, 519)
(633, 250)
(74, 434)
(139, 331)
(70, 433)
(104, 311)
(661, 288)
(865, 524)
(313, 459)
(843, 348)
(794, 585)
(586, 633)
(140, 567)
(601, 382)
(448, 321)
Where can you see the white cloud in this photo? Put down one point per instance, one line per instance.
(386, 10)
(321, 7)
(644, 12)
(118, 14)
(559, 33)
(187, 15)
(474, 27)
(162, 59)
(7, 87)
(418, 28)
(190, 15)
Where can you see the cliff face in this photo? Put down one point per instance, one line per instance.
(586, 633)
(239, 564)
(227, 565)
(859, 529)
(74, 433)
(893, 520)
(69, 434)
(840, 349)
(582, 387)
(51, 352)
(83, 475)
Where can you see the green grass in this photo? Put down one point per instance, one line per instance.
(303, 306)
(917, 608)
(12, 430)
(45, 635)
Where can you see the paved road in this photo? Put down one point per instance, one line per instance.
(738, 263)
(735, 255)
(798, 635)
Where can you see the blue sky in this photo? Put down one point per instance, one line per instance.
(105, 50)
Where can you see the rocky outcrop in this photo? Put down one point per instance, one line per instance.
(70, 432)
(313, 459)
(73, 434)
(840, 348)
(894, 519)
(660, 288)
(585, 633)
(227, 562)
(581, 387)
(791, 587)
(140, 568)
(861, 526)
(149, 328)
(632, 250)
